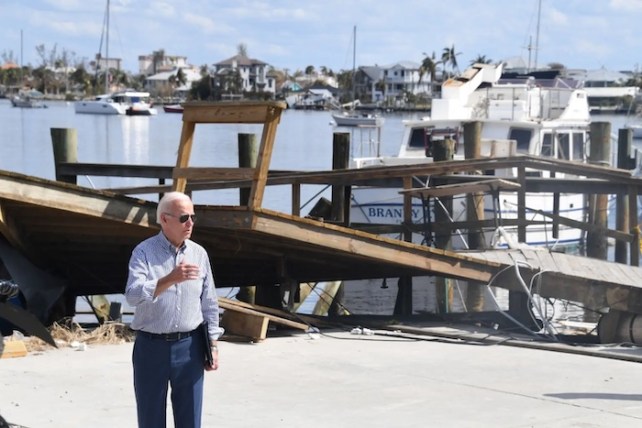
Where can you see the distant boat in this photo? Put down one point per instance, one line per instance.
(29, 99)
(173, 108)
(350, 117)
(355, 119)
(128, 102)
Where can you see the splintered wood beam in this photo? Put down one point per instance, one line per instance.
(459, 188)
(330, 237)
(83, 201)
(184, 151)
(223, 174)
(259, 181)
(231, 112)
(7, 230)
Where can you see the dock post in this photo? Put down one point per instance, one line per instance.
(443, 150)
(474, 212)
(340, 194)
(596, 245)
(625, 136)
(248, 154)
(65, 149)
(248, 151)
(403, 302)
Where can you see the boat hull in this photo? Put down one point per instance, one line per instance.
(98, 107)
(357, 120)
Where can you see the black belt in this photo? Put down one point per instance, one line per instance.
(169, 337)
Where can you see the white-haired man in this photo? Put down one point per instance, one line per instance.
(171, 287)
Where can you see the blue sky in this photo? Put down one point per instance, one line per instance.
(292, 34)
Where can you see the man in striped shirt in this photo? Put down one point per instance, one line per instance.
(171, 286)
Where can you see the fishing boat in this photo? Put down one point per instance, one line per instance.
(520, 115)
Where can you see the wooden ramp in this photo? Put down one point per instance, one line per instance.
(596, 283)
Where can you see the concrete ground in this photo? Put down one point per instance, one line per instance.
(338, 379)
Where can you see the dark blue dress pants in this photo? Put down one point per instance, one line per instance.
(178, 364)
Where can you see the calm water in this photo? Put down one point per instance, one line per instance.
(303, 142)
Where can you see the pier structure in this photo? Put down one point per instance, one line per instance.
(62, 240)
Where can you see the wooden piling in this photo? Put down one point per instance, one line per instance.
(403, 303)
(65, 149)
(443, 150)
(474, 212)
(340, 194)
(625, 136)
(248, 152)
(596, 244)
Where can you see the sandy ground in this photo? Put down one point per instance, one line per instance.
(339, 380)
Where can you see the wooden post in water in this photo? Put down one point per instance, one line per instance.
(442, 151)
(340, 194)
(474, 212)
(625, 136)
(248, 151)
(600, 153)
(65, 149)
(248, 154)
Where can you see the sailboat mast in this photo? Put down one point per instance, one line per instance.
(539, 15)
(107, 49)
(354, 64)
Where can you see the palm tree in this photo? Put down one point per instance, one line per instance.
(429, 66)
(481, 59)
(449, 57)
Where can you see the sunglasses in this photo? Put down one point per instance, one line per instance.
(183, 218)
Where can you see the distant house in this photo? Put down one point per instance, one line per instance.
(403, 77)
(158, 62)
(390, 83)
(165, 84)
(102, 63)
(254, 74)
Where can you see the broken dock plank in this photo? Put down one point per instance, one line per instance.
(274, 315)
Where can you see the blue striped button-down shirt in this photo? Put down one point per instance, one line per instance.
(183, 306)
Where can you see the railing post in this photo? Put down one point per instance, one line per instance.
(65, 150)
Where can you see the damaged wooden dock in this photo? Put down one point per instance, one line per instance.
(79, 240)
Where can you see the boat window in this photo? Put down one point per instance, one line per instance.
(523, 137)
(563, 146)
(578, 146)
(547, 145)
(417, 139)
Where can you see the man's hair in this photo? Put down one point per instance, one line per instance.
(167, 200)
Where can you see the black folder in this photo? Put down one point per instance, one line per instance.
(208, 358)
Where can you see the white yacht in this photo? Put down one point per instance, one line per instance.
(127, 102)
(521, 115)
